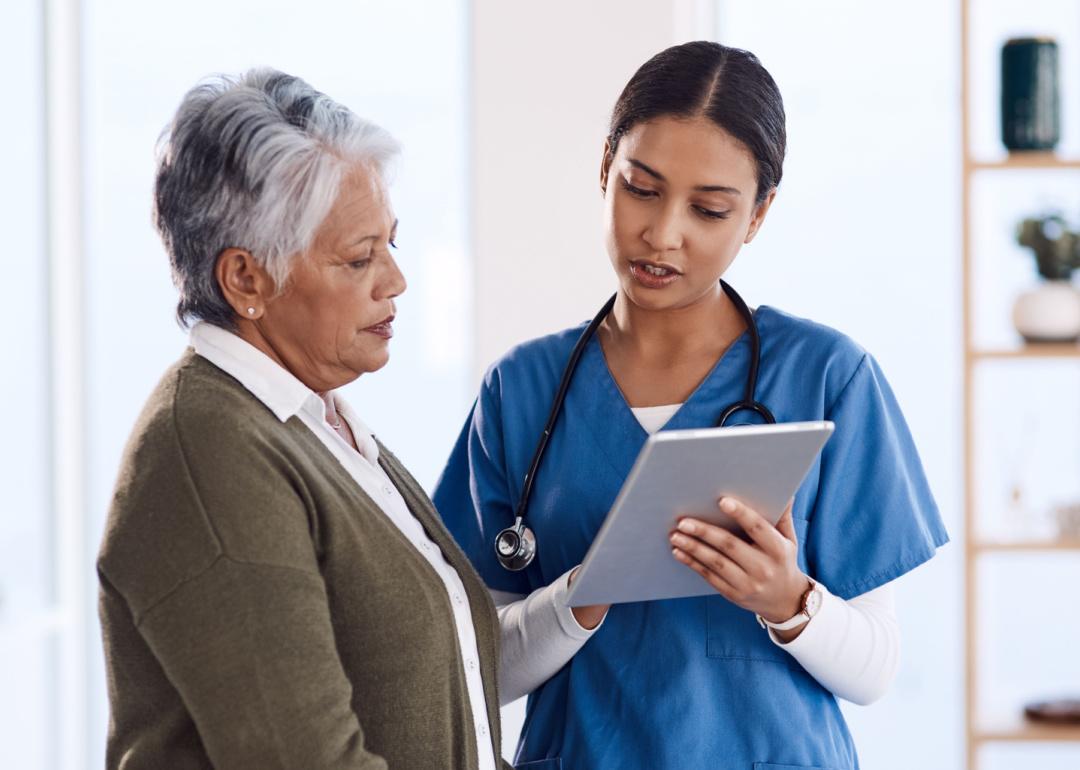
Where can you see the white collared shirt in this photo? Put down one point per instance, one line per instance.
(286, 397)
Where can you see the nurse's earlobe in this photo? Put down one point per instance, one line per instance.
(760, 210)
(605, 166)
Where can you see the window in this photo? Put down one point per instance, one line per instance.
(30, 618)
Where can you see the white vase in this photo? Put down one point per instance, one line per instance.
(1049, 313)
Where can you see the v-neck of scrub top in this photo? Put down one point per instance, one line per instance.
(623, 436)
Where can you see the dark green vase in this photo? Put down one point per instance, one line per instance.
(1030, 109)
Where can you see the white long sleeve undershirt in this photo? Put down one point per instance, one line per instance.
(851, 647)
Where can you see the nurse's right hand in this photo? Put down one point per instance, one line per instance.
(587, 617)
(762, 576)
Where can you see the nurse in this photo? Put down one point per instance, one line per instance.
(803, 613)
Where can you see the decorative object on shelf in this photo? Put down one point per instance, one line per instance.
(1030, 105)
(1051, 311)
(1059, 712)
(1026, 517)
(1068, 521)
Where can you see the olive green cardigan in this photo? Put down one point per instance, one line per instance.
(260, 611)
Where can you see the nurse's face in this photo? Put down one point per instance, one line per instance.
(679, 203)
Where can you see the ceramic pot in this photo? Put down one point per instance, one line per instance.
(1049, 313)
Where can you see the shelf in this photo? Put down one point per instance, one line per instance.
(1020, 730)
(1010, 546)
(1048, 350)
(1019, 161)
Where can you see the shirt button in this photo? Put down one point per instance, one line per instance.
(458, 599)
(471, 664)
(425, 546)
(388, 489)
(483, 730)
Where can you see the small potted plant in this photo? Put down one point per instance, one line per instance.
(1050, 313)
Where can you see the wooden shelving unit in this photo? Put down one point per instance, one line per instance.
(983, 724)
(1025, 161)
(1021, 731)
(1028, 351)
(1018, 546)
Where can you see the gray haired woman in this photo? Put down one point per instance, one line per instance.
(276, 590)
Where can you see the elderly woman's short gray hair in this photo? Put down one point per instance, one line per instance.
(253, 162)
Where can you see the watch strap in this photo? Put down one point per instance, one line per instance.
(797, 619)
(800, 617)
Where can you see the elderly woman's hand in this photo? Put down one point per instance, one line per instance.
(762, 576)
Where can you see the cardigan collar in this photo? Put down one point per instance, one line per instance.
(276, 387)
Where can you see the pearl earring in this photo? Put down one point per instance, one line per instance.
(251, 311)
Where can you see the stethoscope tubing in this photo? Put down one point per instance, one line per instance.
(748, 403)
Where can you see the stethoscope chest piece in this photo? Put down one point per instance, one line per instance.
(515, 547)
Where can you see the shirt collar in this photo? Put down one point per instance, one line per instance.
(267, 380)
(276, 387)
(365, 439)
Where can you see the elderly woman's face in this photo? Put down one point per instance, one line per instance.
(333, 321)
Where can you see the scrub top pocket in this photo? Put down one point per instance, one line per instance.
(732, 632)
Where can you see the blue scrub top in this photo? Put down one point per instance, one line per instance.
(689, 683)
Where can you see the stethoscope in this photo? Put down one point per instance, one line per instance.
(515, 546)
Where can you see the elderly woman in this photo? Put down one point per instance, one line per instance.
(276, 589)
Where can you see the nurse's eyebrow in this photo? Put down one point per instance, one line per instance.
(701, 187)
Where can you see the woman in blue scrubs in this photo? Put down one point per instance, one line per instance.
(802, 614)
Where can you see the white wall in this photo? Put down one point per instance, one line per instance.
(545, 77)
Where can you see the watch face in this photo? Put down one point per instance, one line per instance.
(813, 602)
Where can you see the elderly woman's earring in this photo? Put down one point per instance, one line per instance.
(251, 311)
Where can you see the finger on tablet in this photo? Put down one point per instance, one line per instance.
(732, 572)
(722, 586)
(754, 524)
(720, 539)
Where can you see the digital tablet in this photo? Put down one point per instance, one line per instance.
(684, 473)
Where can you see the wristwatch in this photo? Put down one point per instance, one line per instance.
(811, 603)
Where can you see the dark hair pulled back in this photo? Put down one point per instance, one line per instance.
(729, 86)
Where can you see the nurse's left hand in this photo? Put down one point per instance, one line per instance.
(762, 576)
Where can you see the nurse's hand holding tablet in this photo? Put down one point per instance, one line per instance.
(761, 576)
(738, 656)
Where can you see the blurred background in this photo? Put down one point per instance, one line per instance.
(897, 222)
